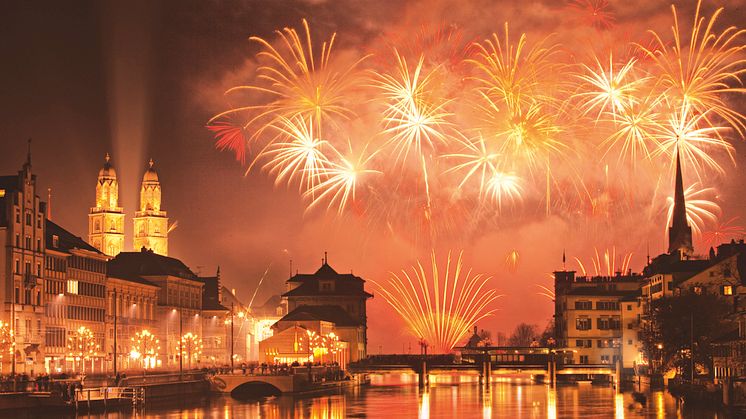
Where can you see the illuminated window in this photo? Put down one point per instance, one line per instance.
(56, 241)
(72, 286)
(698, 290)
(583, 323)
(728, 290)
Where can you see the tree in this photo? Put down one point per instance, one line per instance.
(677, 322)
(81, 345)
(547, 336)
(523, 335)
(145, 347)
(190, 348)
(486, 337)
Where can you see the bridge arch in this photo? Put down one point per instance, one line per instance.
(255, 389)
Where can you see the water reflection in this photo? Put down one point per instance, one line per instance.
(424, 407)
(397, 395)
(552, 403)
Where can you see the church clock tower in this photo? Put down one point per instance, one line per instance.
(151, 224)
(106, 219)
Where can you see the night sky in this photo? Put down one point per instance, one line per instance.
(141, 79)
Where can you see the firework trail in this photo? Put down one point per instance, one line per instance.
(442, 306)
(446, 132)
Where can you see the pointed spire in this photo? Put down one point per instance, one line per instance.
(680, 233)
(564, 259)
(326, 259)
(49, 204)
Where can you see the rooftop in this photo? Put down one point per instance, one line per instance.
(328, 313)
(148, 263)
(66, 241)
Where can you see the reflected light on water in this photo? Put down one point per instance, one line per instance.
(552, 403)
(486, 405)
(660, 409)
(619, 406)
(424, 407)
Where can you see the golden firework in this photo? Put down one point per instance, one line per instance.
(440, 308)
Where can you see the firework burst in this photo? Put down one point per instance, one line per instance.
(297, 83)
(684, 135)
(699, 73)
(699, 208)
(300, 157)
(607, 263)
(723, 232)
(414, 117)
(440, 308)
(608, 90)
(338, 182)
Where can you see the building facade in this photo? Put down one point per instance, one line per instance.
(22, 228)
(179, 301)
(76, 299)
(589, 315)
(106, 218)
(130, 309)
(151, 223)
(330, 296)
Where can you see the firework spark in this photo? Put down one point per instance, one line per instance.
(513, 72)
(300, 157)
(700, 73)
(594, 13)
(685, 135)
(699, 209)
(605, 263)
(511, 261)
(608, 91)
(723, 232)
(476, 160)
(338, 181)
(297, 82)
(440, 308)
(414, 117)
(504, 186)
(636, 129)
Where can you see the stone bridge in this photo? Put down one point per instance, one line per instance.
(227, 383)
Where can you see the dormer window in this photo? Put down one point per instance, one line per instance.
(326, 286)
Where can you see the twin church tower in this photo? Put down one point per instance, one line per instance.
(106, 219)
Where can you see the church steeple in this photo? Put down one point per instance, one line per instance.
(106, 218)
(680, 233)
(151, 222)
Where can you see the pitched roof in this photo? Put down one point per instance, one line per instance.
(324, 272)
(67, 241)
(148, 263)
(327, 313)
(344, 284)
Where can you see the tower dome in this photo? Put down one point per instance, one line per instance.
(150, 175)
(107, 172)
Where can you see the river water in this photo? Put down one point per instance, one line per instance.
(397, 396)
